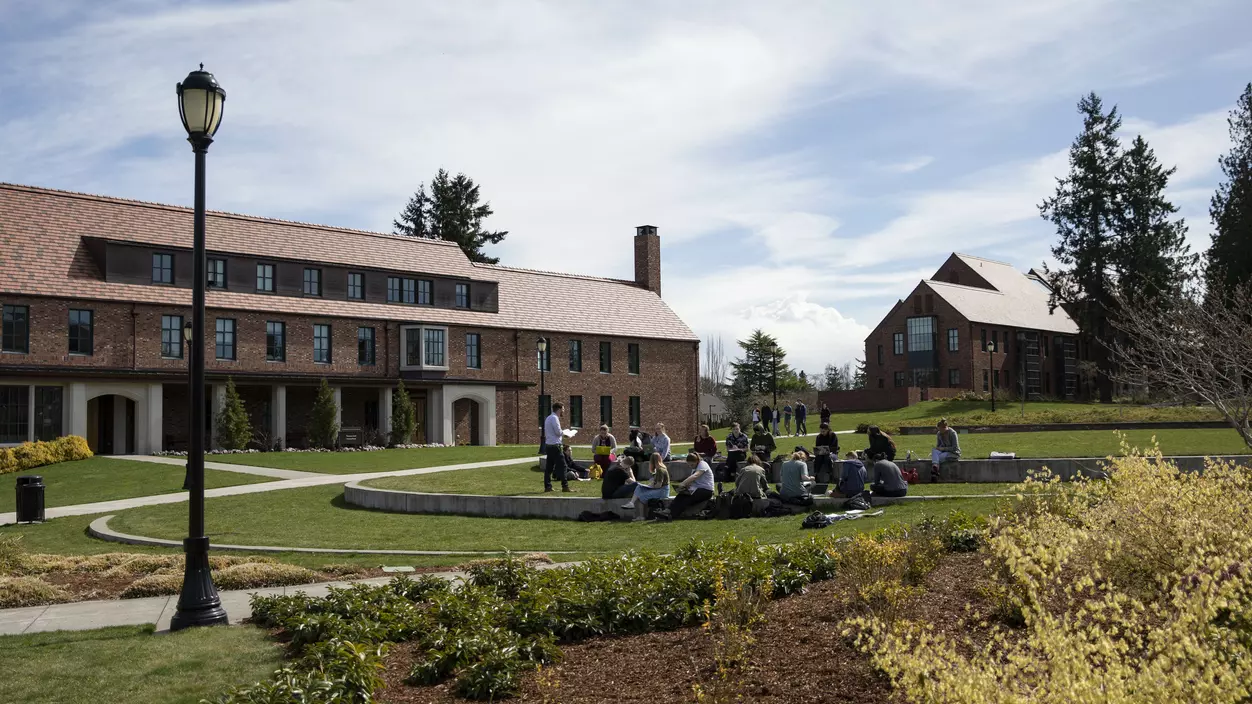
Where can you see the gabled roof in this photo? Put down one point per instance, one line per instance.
(42, 253)
(1018, 301)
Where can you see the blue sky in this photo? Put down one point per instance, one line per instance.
(806, 162)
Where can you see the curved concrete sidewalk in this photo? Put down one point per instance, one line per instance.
(221, 466)
(313, 479)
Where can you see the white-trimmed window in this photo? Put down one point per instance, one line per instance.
(425, 347)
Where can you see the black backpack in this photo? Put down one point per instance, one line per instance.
(817, 519)
(741, 506)
(856, 503)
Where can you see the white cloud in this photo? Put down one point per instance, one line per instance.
(908, 166)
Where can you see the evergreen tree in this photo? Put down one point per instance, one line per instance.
(451, 212)
(833, 378)
(1086, 211)
(762, 358)
(403, 416)
(323, 418)
(739, 402)
(804, 381)
(234, 430)
(1230, 255)
(1151, 256)
(861, 377)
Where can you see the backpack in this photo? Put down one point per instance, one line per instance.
(655, 506)
(910, 475)
(775, 509)
(856, 503)
(817, 519)
(741, 506)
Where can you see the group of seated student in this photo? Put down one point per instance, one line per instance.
(620, 482)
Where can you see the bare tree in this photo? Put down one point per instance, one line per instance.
(1191, 347)
(715, 368)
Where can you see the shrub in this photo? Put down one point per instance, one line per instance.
(234, 430)
(30, 455)
(254, 575)
(153, 585)
(18, 592)
(323, 418)
(403, 416)
(12, 553)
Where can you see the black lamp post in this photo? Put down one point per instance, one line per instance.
(991, 348)
(200, 102)
(542, 346)
(187, 353)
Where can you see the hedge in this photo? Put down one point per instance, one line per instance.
(30, 455)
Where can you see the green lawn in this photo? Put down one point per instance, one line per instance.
(133, 664)
(514, 481)
(378, 460)
(106, 479)
(318, 517)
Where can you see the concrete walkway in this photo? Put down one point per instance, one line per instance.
(223, 466)
(311, 479)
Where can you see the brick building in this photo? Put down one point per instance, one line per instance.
(938, 338)
(95, 292)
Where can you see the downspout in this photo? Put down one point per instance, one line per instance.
(517, 392)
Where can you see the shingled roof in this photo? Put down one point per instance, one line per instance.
(42, 253)
(1017, 300)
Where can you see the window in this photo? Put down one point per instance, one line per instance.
(921, 334)
(544, 359)
(312, 282)
(880, 382)
(606, 357)
(410, 291)
(575, 411)
(930, 303)
(995, 378)
(425, 292)
(215, 275)
(365, 346)
(636, 413)
(473, 350)
(15, 335)
(925, 378)
(984, 339)
(1043, 352)
(897, 343)
(462, 295)
(954, 340)
(172, 336)
(225, 338)
(984, 380)
(393, 289)
(899, 379)
(954, 378)
(632, 358)
(81, 335)
(880, 354)
(575, 355)
(412, 347)
(265, 278)
(356, 285)
(1007, 383)
(321, 344)
(995, 344)
(14, 414)
(162, 268)
(606, 411)
(47, 412)
(434, 339)
(545, 408)
(275, 341)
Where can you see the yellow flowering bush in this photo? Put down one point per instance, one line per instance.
(1135, 589)
(30, 455)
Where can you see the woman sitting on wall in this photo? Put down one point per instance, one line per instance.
(655, 488)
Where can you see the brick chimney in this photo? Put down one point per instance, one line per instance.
(648, 258)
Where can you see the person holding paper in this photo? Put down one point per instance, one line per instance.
(554, 441)
(826, 447)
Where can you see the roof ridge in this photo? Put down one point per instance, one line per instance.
(545, 272)
(60, 193)
(984, 259)
(972, 288)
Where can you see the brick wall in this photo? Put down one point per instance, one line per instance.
(869, 399)
(49, 334)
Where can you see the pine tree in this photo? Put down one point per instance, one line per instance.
(234, 430)
(1151, 256)
(1229, 257)
(761, 359)
(451, 212)
(403, 416)
(324, 418)
(861, 377)
(833, 378)
(1086, 210)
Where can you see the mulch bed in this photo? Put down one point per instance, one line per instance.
(799, 655)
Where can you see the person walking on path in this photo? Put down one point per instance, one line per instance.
(787, 419)
(553, 439)
(756, 415)
(767, 416)
(947, 447)
(802, 415)
(825, 414)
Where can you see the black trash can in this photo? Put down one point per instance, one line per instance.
(30, 490)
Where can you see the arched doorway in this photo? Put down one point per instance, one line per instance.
(465, 422)
(111, 425)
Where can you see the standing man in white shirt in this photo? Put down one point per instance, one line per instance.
(553, 438)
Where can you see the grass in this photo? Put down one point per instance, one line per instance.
(318, 517)
(106, 479)
(133, 664)
(1071, 443)
(378, 460)
(516, 481)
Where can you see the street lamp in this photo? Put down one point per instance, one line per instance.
(991, 348)
(1021, 372)
(542, 345)
(200, 102)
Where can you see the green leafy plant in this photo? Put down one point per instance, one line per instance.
(324, 418)
(403, 416)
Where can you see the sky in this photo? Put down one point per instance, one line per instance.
(805, 163)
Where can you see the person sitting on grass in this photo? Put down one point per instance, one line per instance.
(737, 444)
(763, 444)
(660, 443)
(826, 447)
(574, 470)
(655, 488)
(704, 444)
(851, 477)
(619, 480)
(794, 488)
(880, 445)
(888, 481)
(602, 447)
(947, 447)
(695, 489)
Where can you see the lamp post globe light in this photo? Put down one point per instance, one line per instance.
(200, 102)
(542, 346)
